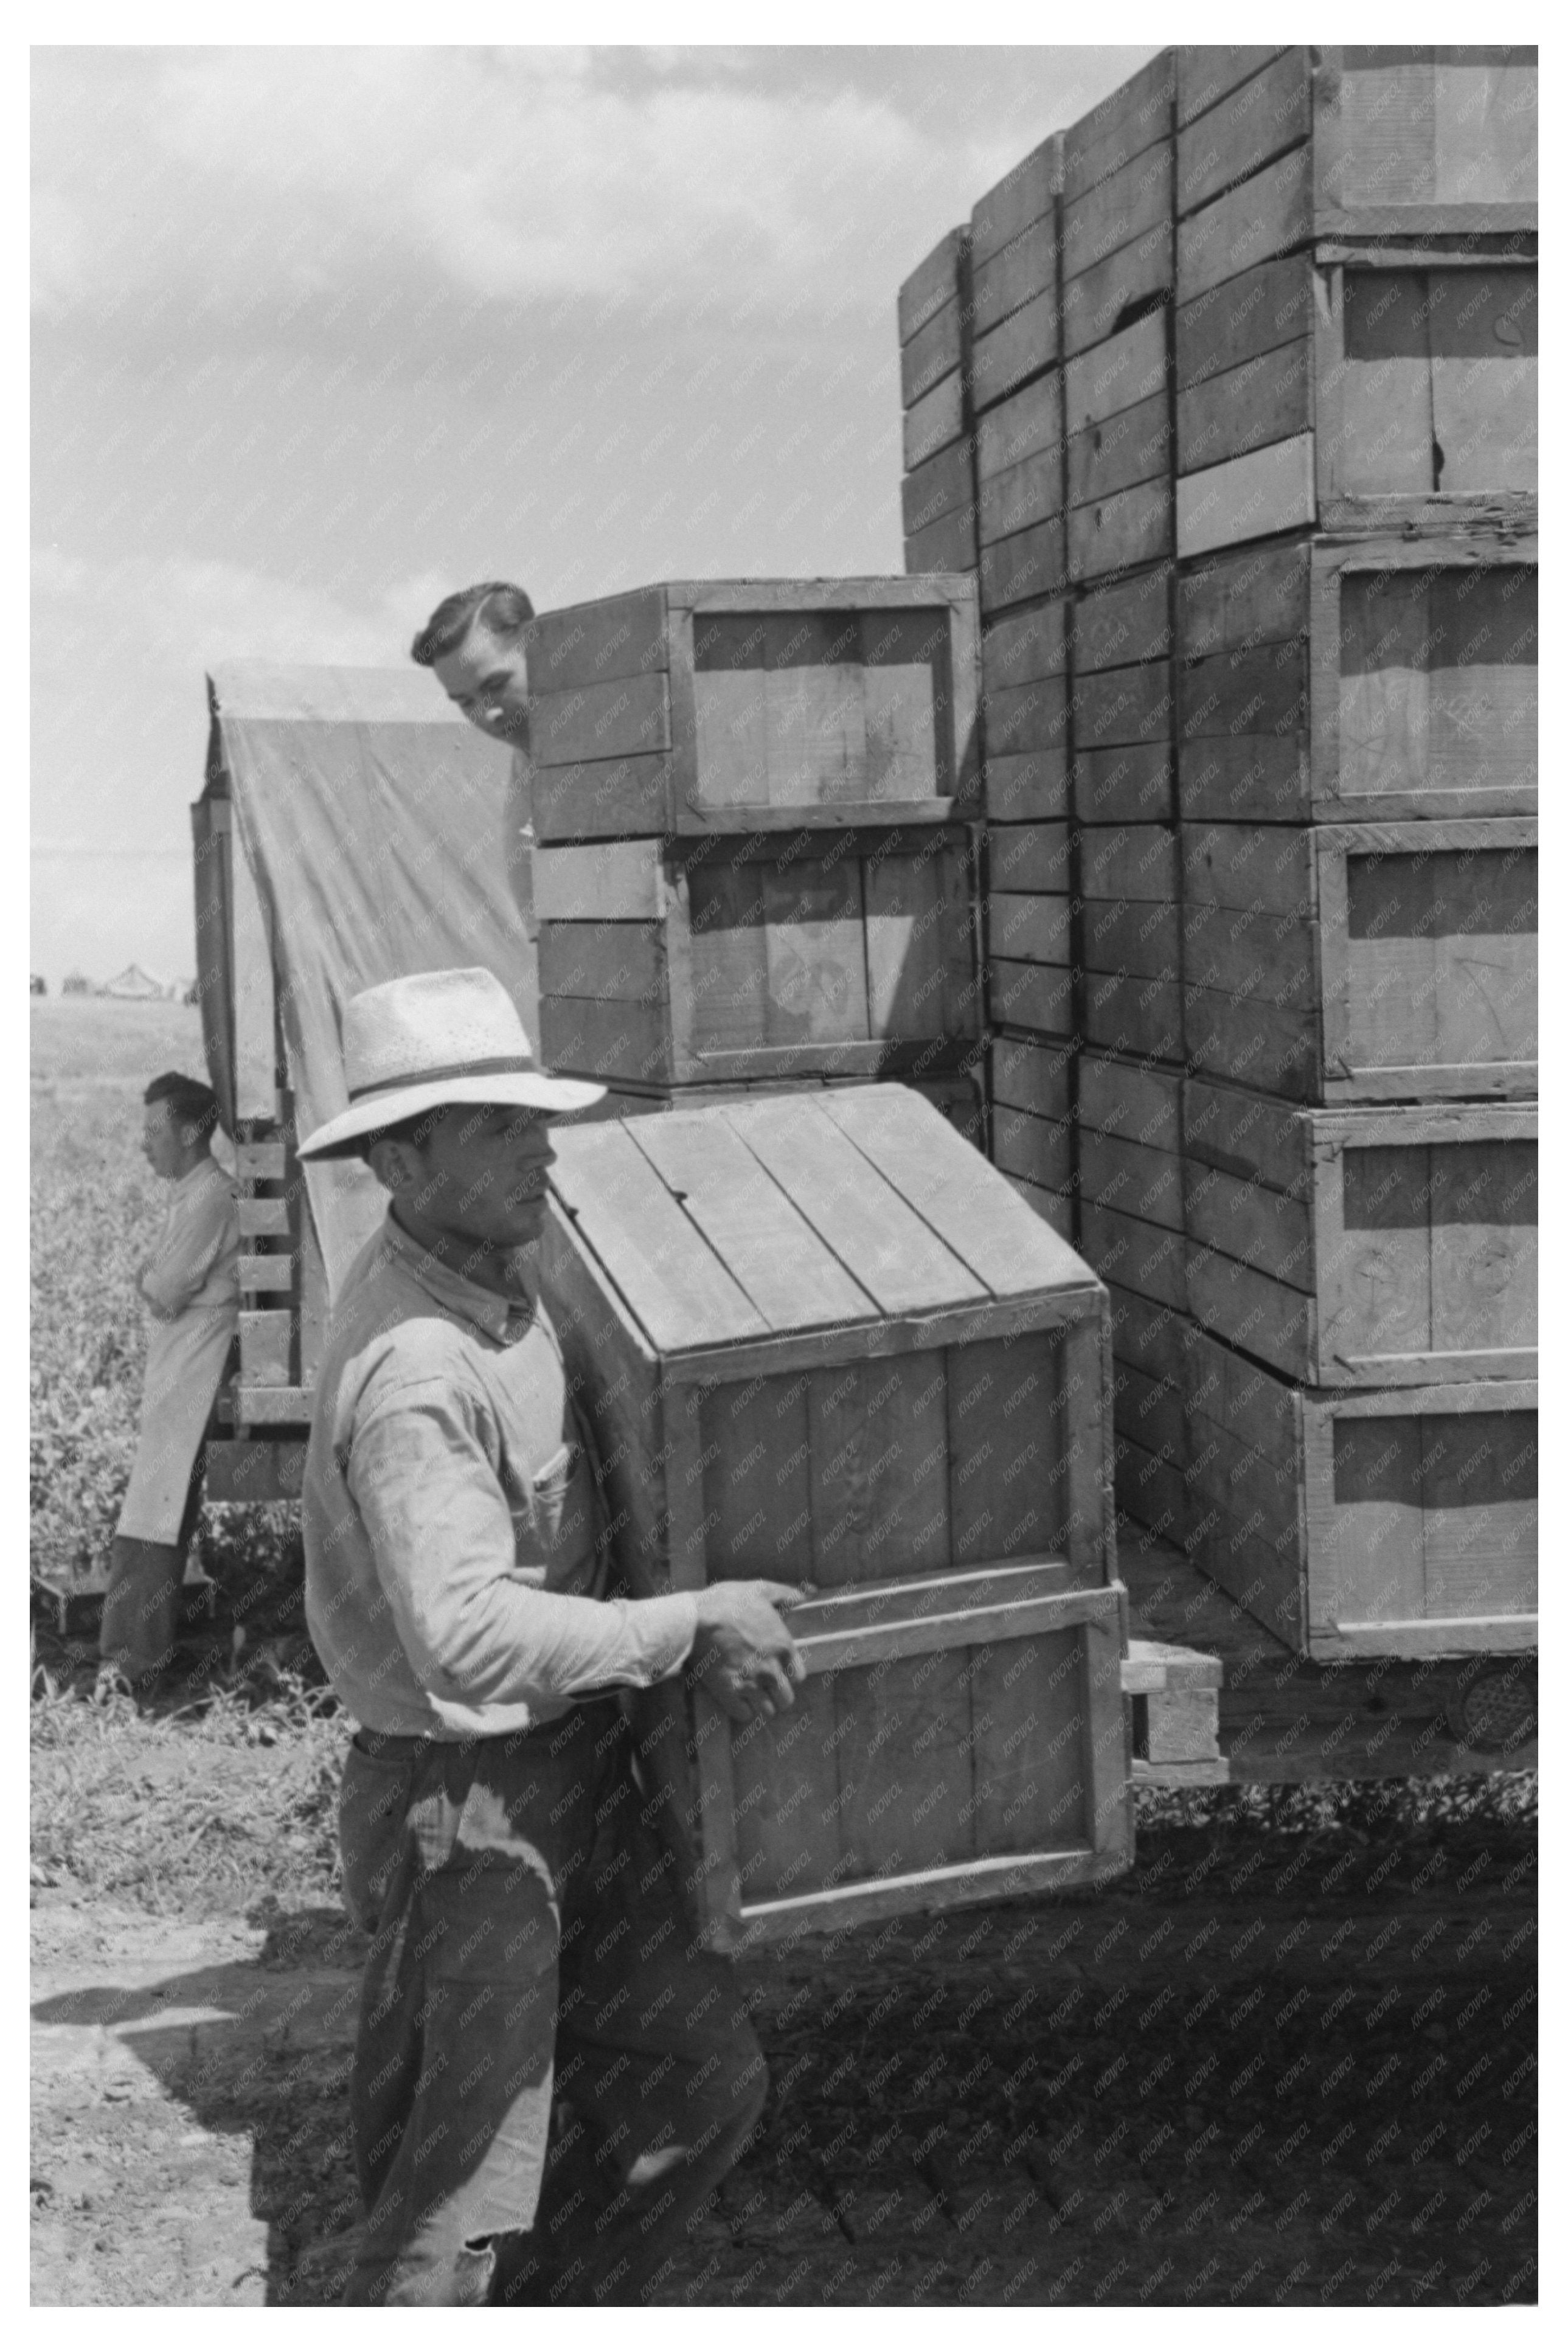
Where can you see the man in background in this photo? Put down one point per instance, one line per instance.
(475, 643)
(189, 1286)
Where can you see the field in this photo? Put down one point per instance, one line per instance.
(1289, 2059)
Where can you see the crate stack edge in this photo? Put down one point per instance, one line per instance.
(1357, 542)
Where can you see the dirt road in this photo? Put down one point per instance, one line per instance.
(1272, 2066)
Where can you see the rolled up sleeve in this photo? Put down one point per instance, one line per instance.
(441, 1532)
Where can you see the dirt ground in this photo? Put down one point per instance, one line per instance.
(1286, 2063)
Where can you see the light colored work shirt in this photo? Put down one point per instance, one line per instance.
(456, 1568)
(197, 1260)
(192, 1290)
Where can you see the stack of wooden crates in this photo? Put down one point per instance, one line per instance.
(1255, 536)
(754, 805)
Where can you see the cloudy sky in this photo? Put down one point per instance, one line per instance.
(319, 333)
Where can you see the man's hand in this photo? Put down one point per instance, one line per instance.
(745, 1654)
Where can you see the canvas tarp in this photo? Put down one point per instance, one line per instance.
(380, 828)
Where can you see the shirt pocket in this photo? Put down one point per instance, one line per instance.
(551, 1489)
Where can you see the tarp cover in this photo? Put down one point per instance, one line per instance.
(378, 827)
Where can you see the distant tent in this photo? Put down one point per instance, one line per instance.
(77, 984)
(132, 982)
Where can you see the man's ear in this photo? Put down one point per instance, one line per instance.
(394, 1164)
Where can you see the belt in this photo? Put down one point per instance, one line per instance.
(402, 1745)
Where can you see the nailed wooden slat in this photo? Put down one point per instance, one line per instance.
(951, 1189)
(680, 1293)
(888, 1249)
(750, 1224)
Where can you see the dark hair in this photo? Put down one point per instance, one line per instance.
(496, 604)
(191, 1103)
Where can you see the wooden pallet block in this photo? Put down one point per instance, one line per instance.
(1372, 1246)
(823, 1340)
(1390, 1522)
(1381, 677)
(1175, 1695)
(1370, 963)
(1378, 387)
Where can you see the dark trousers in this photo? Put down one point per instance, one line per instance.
(533, 1942)
(142, 1603)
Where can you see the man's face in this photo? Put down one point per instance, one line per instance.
(482, 1172)
(163, 1139)
(487, 677)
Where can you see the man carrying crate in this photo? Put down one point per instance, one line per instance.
(530, 1929)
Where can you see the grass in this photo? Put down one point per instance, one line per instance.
(209, 1807)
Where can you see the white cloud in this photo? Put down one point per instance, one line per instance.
(242, 182)
(187, 612)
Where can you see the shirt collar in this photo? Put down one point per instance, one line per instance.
(502, 1319)
(197, 1175)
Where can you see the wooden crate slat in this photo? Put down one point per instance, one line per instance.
(600, 722)
(587, 644)
(1136, 115)
(1023, 346)
(888, 1251)
(981, 1224)
(744, 1217)
(934, 282)
(681, 1294)
(1244, 129)
(1022, 196)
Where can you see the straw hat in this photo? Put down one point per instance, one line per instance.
(436, 1037)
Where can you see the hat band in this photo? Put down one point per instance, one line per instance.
(498, 1065)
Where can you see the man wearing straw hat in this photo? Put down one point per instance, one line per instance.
(530, 1931)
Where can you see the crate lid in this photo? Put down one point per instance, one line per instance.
(785, 1214)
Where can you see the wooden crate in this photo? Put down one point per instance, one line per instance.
(1388, 142)
(1015, 245)
(1130, 1177)
(1022, 492)
(1382, 678)
(667, 962)
(1119, 450)
(1029, 976)
(1030, 1084)
(1130, 939)
(1386, 387)
(1149, 1384)
(734, 706)
(1024, 699)
(821, 1340)
(1373, 1246)
(933, 339)
(941, 506)
(1373, 1523)
(1123, 699)
(1364, 962)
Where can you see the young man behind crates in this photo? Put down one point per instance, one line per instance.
(530, 1929)
(476, 643)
